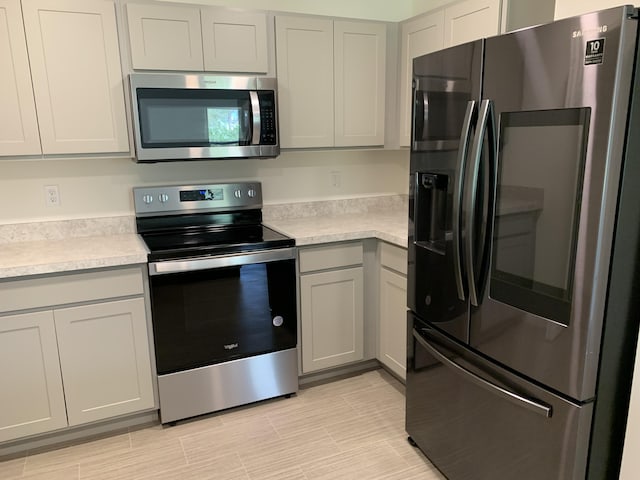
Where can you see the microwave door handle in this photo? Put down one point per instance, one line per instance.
(471, 197)
(463, 148)
(421, 113)
(255, 115)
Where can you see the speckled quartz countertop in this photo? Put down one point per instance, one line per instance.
(74, 245)
(387, 226)
(384, 218)
(70, 245)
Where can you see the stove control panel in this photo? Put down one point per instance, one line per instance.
(168, 199)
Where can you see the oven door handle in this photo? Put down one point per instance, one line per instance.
(207, 263)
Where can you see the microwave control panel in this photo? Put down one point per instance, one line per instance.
(268, 130)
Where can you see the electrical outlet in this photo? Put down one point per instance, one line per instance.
(51, 196)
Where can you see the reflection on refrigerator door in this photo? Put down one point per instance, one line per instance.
(482, 422)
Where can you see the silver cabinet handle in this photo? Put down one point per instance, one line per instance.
(206, 263)
(257, 121)
(465, 137)
(512, 397)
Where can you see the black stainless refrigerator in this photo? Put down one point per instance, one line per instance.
(523, 273)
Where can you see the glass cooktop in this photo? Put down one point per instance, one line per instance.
(215, 241)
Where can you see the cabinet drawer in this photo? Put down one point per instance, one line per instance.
(74, 288)
(330, 256)
(393, 257)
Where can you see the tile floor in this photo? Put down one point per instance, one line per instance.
(351, 428)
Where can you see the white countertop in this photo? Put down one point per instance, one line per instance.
(74, 245)
(388, 226)
(18, 259)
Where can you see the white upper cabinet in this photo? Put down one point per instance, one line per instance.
(470, 20)
(194, 38)
(234, 41)
(359, 60)
(18, 123)
(77, 79)
(165, 37)
(421, 35)
(331, 82)
(304, 49)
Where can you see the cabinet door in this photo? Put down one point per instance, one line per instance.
(165, 37)
(470, 20)
(359, 60)
(31, 396)
(77, 79)
(332, 318)
(234, 41)
(420, 36)
(104, 355)
(18, 123)
(305, 81)
(393, 322)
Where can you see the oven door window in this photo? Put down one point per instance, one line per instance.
(210, 316)
(194, 118)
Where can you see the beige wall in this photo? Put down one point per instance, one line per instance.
(386, 10)
(569, 8)
(98, 187)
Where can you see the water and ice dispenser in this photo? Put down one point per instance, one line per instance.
(431, 211)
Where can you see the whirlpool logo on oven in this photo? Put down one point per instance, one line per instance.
(231, 346)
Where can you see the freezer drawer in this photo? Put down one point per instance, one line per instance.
(476, 421)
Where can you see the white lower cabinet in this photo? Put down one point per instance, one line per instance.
(104, 356)
(31, 396)
(392, 338)
(332, 300)
(70, 365)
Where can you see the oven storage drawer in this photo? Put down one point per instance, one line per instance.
(464, 412)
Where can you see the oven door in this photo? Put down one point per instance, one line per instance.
(214, 309)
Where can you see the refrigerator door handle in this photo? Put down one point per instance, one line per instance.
(517, 399)
(485, 122)
(463, 148)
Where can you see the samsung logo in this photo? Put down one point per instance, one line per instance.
(231, 346)
(588, 31)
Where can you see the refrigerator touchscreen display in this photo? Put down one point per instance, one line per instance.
(541, 166)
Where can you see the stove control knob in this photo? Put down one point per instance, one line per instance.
(237, 193)
(147, 199)
(163, 197)
(251, 193)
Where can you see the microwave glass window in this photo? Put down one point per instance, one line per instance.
(194, 118)
(224, 125)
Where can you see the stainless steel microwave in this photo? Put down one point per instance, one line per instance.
(191, 117)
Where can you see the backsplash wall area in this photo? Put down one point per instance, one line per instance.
(101, 187)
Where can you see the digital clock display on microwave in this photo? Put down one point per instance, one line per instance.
(200, 195)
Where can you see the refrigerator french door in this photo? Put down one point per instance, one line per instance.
(517, 242)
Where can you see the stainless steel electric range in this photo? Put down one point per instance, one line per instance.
(223, 297)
